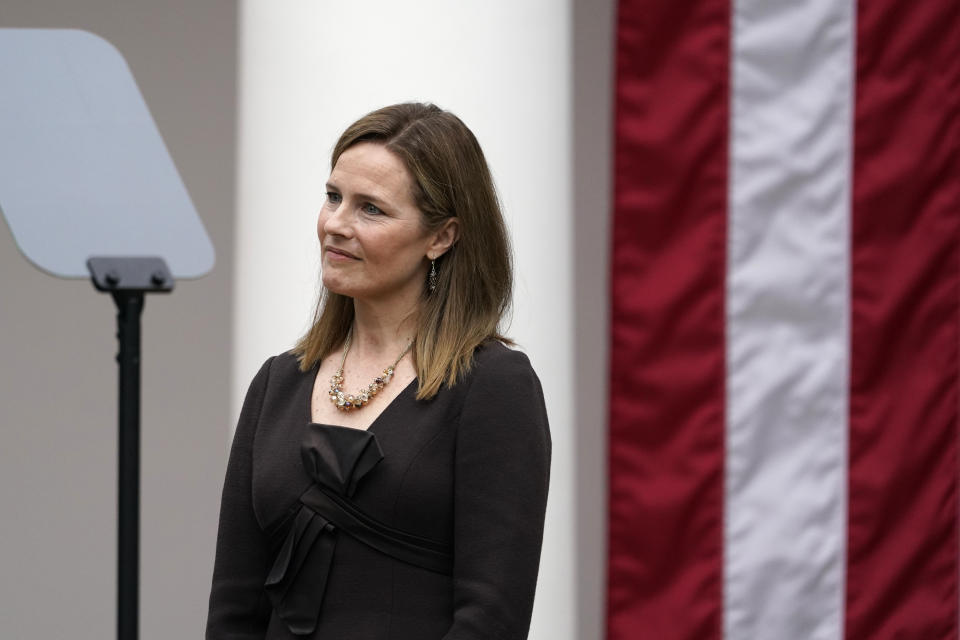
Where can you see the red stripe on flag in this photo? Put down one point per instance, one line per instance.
(902, 540)
(666, 455)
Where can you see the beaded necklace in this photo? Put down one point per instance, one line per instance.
(352, 402)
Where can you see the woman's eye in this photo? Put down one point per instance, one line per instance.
(369, 208)
(333, 197)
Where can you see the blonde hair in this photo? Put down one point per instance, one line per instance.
(474, 277)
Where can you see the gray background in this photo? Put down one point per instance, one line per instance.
(58, 375)
(592, 24)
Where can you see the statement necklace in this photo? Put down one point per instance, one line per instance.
(345, 402)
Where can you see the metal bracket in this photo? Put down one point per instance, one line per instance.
(130, 274)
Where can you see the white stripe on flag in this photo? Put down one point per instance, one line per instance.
(787, 311)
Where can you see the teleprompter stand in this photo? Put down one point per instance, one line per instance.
(127, 280)
(89, 191)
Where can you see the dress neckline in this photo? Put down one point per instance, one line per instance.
(311, 383)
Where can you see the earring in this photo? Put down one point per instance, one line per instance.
(432, 278)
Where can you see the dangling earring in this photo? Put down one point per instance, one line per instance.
(432, 278)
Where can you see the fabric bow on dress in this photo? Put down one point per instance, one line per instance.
(336, 458)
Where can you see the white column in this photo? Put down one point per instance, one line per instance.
(307, 69)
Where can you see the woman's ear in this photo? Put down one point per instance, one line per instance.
(444, 238)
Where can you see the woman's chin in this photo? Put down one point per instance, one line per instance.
(333, 285)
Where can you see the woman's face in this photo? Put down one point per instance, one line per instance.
(373, 243)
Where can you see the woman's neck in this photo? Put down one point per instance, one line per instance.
(382, 329)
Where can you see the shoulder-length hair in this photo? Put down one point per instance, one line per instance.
(474, 277)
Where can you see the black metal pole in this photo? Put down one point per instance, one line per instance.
(128, 279)
(129, 307)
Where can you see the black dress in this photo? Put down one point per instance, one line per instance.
(467, 470)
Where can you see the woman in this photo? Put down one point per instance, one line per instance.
(388, 477)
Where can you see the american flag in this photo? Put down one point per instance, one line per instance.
(786, 303)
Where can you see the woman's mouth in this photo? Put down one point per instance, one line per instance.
(339, 254)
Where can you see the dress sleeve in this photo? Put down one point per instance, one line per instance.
(500, 491)
(239, 608)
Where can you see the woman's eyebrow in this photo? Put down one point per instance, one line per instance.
(371, 199)
(330, 186)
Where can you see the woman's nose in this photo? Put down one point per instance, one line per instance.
(334, 221)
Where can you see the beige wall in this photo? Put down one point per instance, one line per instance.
(58, 375)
